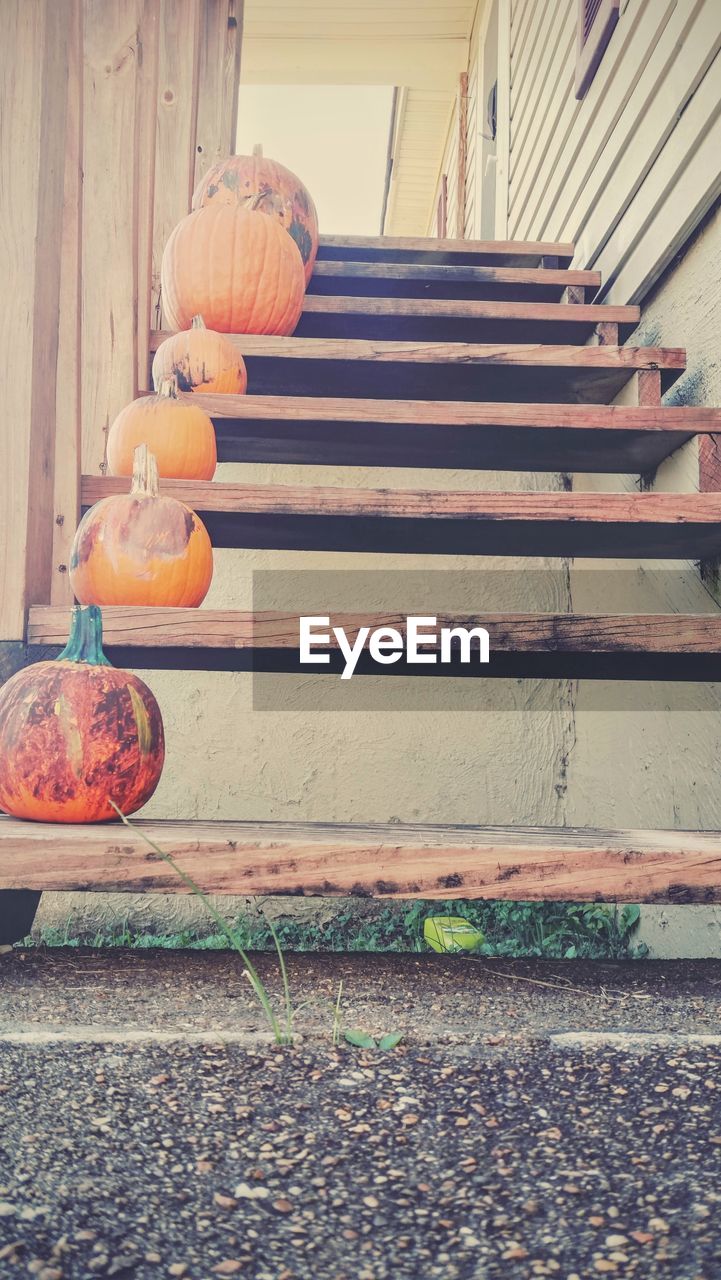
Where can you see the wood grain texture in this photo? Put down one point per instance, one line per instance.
(533, 373)
(527, 632)
(425, 249)
(429, 280)
(119, 103)
(461, 320)
(456, 522)
(178, 67)
(575, 864)
(436, 433)
(221, 33)
(34, 108)
(68, 407)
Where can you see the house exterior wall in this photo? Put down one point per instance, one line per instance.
(627, 172)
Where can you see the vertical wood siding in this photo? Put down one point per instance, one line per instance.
(628, 171)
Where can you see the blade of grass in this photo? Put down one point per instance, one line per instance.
(336, 1016)
(255, 979)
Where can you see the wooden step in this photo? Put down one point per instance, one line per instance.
(462, 436)
(380, 860)
(671, 646)
(666, 525)
(429, 280)
(498, 253)
(454, 320)
(446, 370)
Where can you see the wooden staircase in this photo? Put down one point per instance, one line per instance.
(420, 353)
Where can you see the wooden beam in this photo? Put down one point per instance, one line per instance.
(531, 632)
(462, 154)
(535, 373)
(659, 525)
(433, 433)
(121, 49)
(435, 862)
(468, 320)
(177, 110)
(423, 249)
(221, 33)
(68, 408)
(430, 280)
(34, 106)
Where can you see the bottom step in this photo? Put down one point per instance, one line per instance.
(382, 860)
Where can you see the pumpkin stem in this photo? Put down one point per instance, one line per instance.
(85, 642)
(197, 322)
(145, 472)
(258, 150)
(169, 387)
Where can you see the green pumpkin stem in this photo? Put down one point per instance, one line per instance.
(145, 472)
(85, 642)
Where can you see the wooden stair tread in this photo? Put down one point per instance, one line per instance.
(457, 319)
(434, 433)
(383, 860)
(542, 373)
(425, 249)
(431, 280)
(292, 517)
(604, 646)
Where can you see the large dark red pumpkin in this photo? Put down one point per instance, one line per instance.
(76, 733)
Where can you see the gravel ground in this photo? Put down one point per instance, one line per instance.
(484, 1146)
(432, 998)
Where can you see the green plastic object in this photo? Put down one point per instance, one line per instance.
(451, 934)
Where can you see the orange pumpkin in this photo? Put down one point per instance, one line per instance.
(233, 180)
(201, 360)
(180, 435)
(142, 547)
(76, 733)
(236, 268)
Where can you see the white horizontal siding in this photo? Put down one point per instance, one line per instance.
(626, 172)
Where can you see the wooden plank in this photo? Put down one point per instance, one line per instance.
(68, 409)
(536, 646)
(425, 249)
(178, 67)
(427, 280)
(665, 525)
(462, 155)
(115, 96)
(464, 320)
(542, 373)
(434, 433)
(33, 98)
(221, 33)
(392, 860)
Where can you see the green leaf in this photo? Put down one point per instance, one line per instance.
(390, 1040)
(360, 1039)
(570, 953)
(630, 915)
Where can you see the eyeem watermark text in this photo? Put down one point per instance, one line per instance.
(421, 642)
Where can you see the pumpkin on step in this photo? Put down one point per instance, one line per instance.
(285, 197)
(180, 435)
(236, 268)
(200, 360)
(76, 733)
(141, 548)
